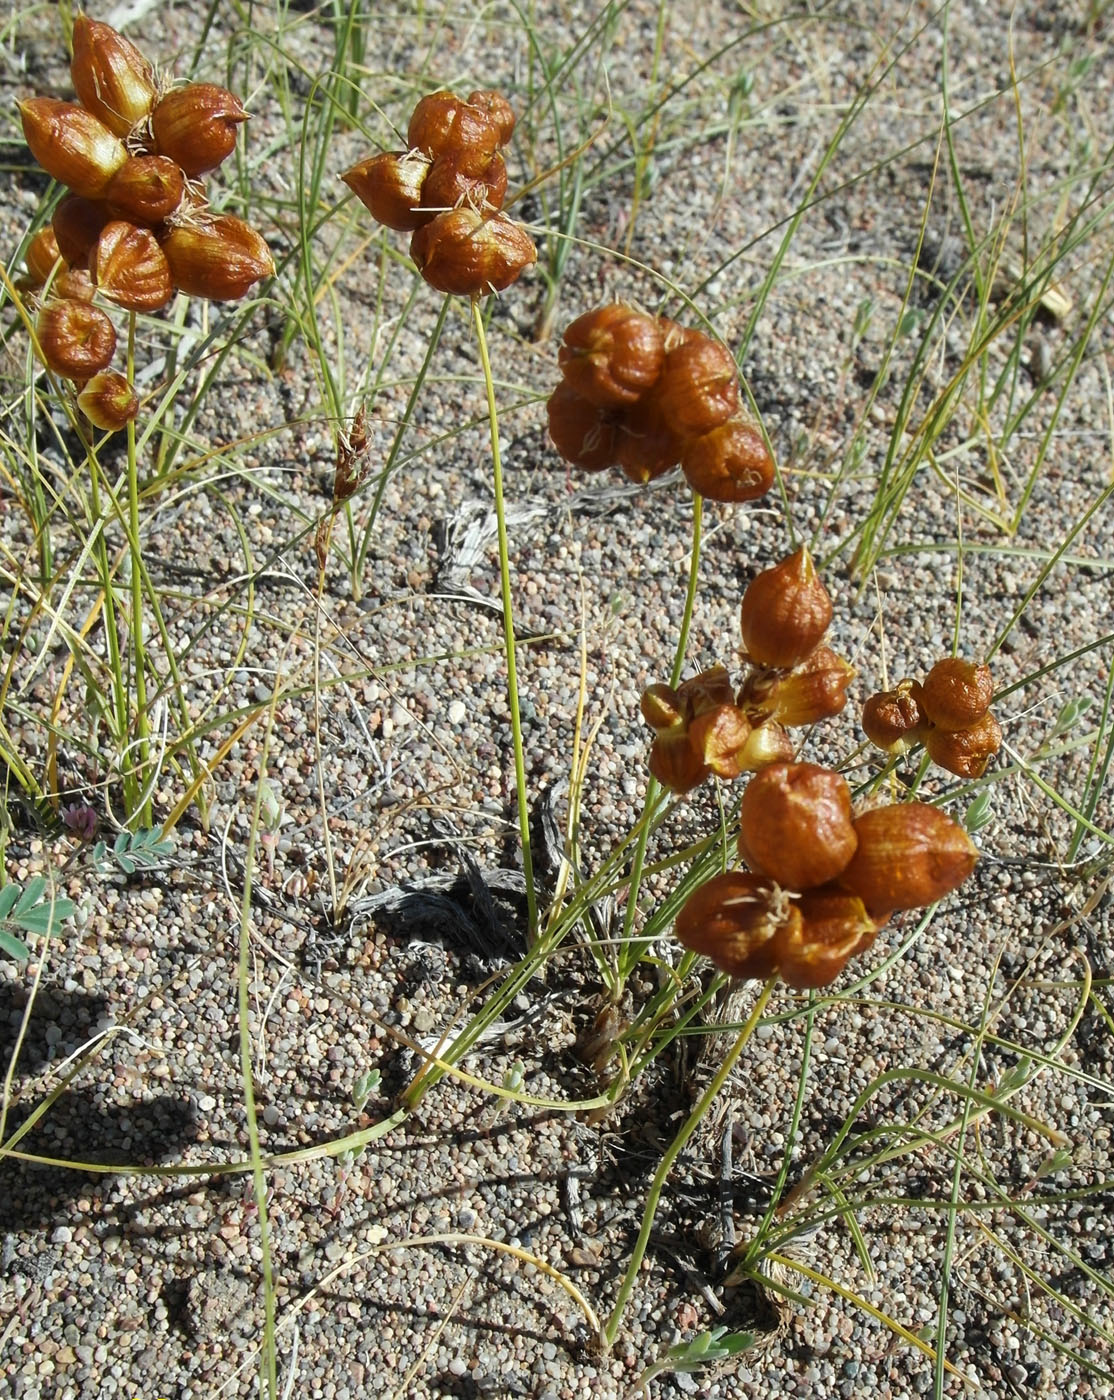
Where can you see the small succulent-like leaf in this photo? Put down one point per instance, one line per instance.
(13, 946)
(132, 851)
(32, 909)
(32, 893)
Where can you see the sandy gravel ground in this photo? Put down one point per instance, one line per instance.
(120, 1285)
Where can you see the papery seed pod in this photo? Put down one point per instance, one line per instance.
(612, 355)
(662, 708)
(108, 401)
(146, 189)
(449, 183)
(965, 752)
(42, 256)
(785, 612)
(497, 109)
(77, 339)
(768, 743)
(719, 739)
(675, 763)
(465, 254)
(390, 186)
(956, 693)
(220, 258)
(909, 856)
(833, 927)
(583, 433)
(795, 824)
(196, 126)
(699, 386)
(645, 445)
(111, 77)
(814, 690)
(443, 122)
(431, 121)
(130, 268)
(894, 719)
(75, 283)
(737, 919)
(705, 691)
(77, 224)
(686, 736)
(71, 145)
(730, 463)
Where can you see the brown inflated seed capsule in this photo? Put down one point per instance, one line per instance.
(965, 752)
(71, 145)
(909, 856)
(682, 742)
(196, 126)
(42, 256)
(675, 763)
(768, 743)
(612, 355)
(221, 258)
(497, 109)
(795, 824)
(815, 689)
(130, 268)
(582, 432)
(956, 693)
(699, 386)
(646, 446)
(894, 719)
(719, 739)
(833, 928)
(146, 189)
(431, 121)
(390, 186)
(730, 463)
(111, 77)
(463, 253)
(449, 183)
(662, 707)
(785, 612)
(77, 339)
(442, 122)
(705, 691)
(77, 224)
(736, 920)
(75, 283)
(108, 401)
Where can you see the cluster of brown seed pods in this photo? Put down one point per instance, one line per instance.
(135, 226)
(821, 881)
(704, 726)
(948, 712)
(447, 189)
(642, 393)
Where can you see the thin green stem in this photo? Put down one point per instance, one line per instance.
(139, 652)
(112, 638)
(628, 956)
(268, 1361)
(670, 1156)
(508, 627)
